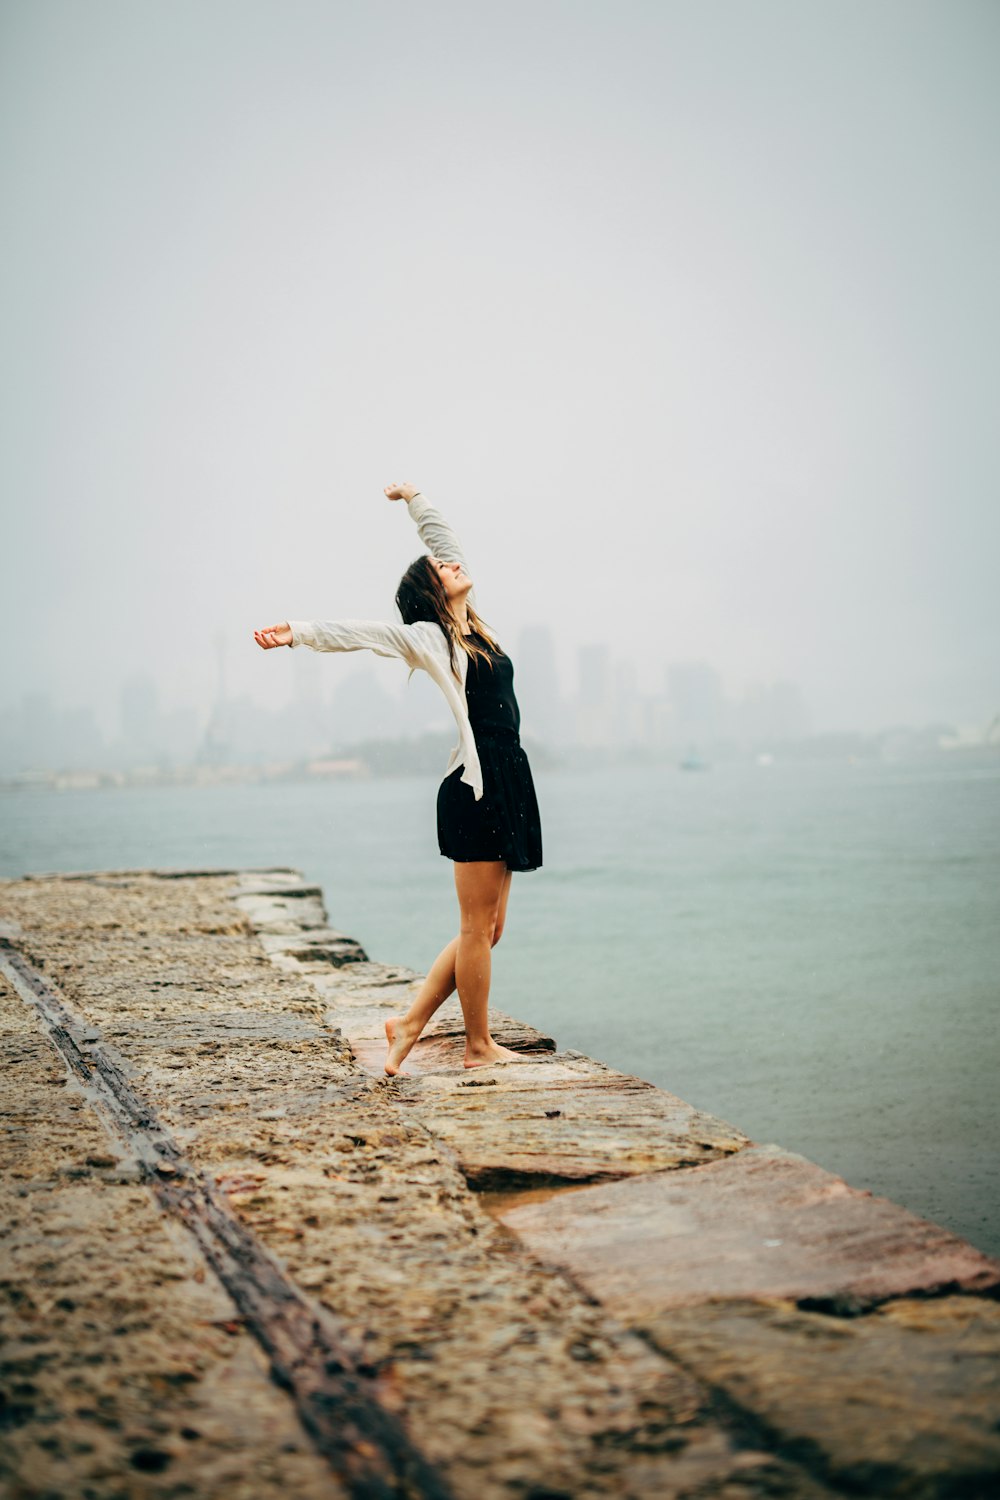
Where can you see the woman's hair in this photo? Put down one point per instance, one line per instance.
(421, 596)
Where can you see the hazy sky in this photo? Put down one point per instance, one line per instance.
(686, 314)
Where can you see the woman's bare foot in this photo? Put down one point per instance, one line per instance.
(490, 1052)
(401, 1038)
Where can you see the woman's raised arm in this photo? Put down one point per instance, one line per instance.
(435, 532)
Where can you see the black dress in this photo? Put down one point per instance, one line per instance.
(504, 823)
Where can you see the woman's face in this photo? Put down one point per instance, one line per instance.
(455, 580)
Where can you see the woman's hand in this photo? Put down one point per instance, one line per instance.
(401, 491)
(274, 635)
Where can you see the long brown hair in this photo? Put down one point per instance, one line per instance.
(421, 596)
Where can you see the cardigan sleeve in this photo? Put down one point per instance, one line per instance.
(437, 536)
(383, 637)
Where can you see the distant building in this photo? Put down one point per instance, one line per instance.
(630, 710)
(139, 717)
(363, 708)
(536, 683)
(83, 743)
(659, 725)
(595, 709)
(772, 712)
(38, 744)
(137, 710)
(698, 704)
(216, 744)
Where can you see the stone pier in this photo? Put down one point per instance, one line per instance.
(238, 1261)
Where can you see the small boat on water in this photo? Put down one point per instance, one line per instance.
(692, 761)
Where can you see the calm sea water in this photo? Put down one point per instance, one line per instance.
(810, 951)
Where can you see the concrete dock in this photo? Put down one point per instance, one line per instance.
(239, 1261)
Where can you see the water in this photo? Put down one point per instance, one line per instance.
(810, 951)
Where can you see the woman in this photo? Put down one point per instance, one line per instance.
(487, 812)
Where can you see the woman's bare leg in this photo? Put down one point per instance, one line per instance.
(480, 885)
(441, 981)
(403, 1031)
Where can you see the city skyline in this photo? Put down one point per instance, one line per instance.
(335, 702)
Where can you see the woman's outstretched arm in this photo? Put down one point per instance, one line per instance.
(381, 636)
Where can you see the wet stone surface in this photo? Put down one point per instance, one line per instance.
(901, 1401)
(763, 1223)
(123, 1370)
(824, 1311)
(265, 1067)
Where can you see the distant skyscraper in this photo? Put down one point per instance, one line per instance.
(140, 720)
(363, 708)
(595, 716)
(37, 744)
(629, 709)
(698, 704)
(536, 684)
(216, 748)
(659, 723)
(137, 703)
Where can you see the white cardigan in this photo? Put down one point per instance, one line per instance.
(420, 645)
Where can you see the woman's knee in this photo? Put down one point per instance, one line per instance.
(477, 925)
(482, 924)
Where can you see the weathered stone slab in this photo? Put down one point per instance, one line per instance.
(442, 1046)
(124, 1367)
(274, 876)
(382, 980)
(512, 1382)
(291, 912)
(903, 1401)
(709, 1264)
(510, 1378)
(566, 1120)
(764, 1223)
(214, 1029)
(328, 951)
